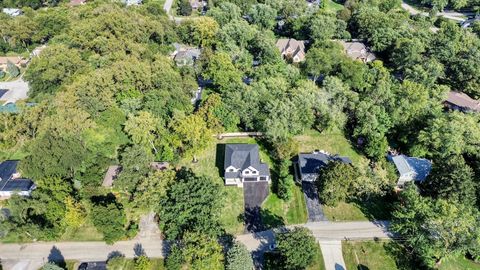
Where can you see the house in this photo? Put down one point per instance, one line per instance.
(410, 169)
(197, 4)
(358, 51)
(461, 102)
(77, 2)
(37, 51)
(242, 164)
(14, 12)
(292, 49)
(93, 266)
(11, 181)
(16, 60)
(185, 55)
(309, 164)
(470, 22)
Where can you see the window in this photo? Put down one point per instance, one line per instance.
(247, 172)
(263, 178)
(230, 170)
(254, 172)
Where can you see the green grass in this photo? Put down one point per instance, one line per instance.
(333, 142)
(318, 263)
(333, 6)
(210, 162)
(291, 212)
(71, 264)
(368, 255)
(373, 209)
(86, 232)
(459, 263)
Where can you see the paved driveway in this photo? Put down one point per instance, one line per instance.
(254, 193)
(17, 90)
(332, 255)
(314, 208)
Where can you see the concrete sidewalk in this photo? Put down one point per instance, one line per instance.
(332, 254)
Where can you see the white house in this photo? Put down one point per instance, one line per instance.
(411, 169)
(242, 164)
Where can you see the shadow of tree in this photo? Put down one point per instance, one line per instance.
(220, 159)
(360, 267)
(138, 250)
(257, 219)
(115, 254)
(376, 208)
(404, 258)
(56, 257)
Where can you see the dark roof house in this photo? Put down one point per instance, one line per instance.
(242, 163)
(309, 164)
(11, 182)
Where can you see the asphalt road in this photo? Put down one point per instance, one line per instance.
(32, 256)
(452, 15)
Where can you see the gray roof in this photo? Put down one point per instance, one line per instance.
(242, 156)
(7, 183)
(420, 167)
(311, 163)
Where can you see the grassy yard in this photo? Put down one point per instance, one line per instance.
(210, 163)
(291, 212)
(459, 263)
(318, 263)
(333, 6)
(333, 142)
(368, 255)
(86, 232)
(375, 209)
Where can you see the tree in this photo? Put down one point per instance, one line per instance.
(51, 266)
(199, 32)
(238, 258)
(142, 262)
(263, 15)
(74, 215)
(12, 69)
(296, 248)
(452, 179)
(225, 12)
(109, 218)
(221, 70)
(193, 132)
(135, 163)
(202, 251)
(435, 229)
(153, 187)
(334, 182)
(56, 65)
(142, 128)
(285, 180)
(191, 203)
(184, 8)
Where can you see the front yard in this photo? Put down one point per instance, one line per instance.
(374, 209)
(368, 255)
(291, 212)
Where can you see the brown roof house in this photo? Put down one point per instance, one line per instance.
(292, 49)
(16, 60)
(358, 51)
(462, 102)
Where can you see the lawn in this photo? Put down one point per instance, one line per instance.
(333, 6)
(459, 263)
(374, 209)
(368, 255)
(318, 263)
(86, 232)
(333, 142)
(291, 212)
(210, 163)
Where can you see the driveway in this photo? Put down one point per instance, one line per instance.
(17, 90)
(314, 208)
(332, 254)
(254, 193)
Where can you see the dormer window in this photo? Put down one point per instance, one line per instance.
(247, 172)
(230, 170)
(254, 172)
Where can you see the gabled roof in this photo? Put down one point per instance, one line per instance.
(463, 100)
(419, 168)
(111, 175)
(310, 163)
(358, 51)
(296, 46)
(242, 156)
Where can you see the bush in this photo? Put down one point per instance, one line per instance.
(109, 218)
(184, 8)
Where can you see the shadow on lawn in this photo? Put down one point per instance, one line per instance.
(376, 208)
(257, 219)
(220, 159)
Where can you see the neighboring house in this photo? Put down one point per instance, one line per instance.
(309, 164)
(11, 181)
(37, 51)
(358, 51)
(185, 55)
(77, 2)
(242, 164)
(470, 22)
(132, 2)
(14, 12)
(197, 4)
(16, 60)
(410, 169)
(292, 49)
(461, 102)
